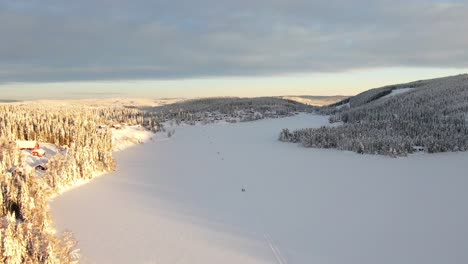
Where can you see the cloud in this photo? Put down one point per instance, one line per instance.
(53, 40)
(94, 93)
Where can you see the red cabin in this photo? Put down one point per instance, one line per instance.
(38, 153)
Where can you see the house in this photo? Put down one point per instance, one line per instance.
(27, 145)
(40, 167)
(38, 153)
(419, 148)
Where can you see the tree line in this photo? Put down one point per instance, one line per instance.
(432, 116)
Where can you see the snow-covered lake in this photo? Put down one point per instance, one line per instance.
(180, 201)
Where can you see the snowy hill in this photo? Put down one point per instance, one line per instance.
(398, 119)
(229, 109)
(377, 93)
(316, 100)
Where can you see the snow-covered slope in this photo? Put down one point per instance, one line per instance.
(396, 119)
(316, 100)
(395, 92)
(180, 201)
(129, 136)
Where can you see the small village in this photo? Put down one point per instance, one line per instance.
(206, 117)
(34, 153)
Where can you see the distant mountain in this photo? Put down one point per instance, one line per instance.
(8, 101)
(429, 115)
(117, 102)
(316, 100)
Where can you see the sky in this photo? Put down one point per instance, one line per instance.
(182, 48)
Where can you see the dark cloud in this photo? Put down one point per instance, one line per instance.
(55, 40)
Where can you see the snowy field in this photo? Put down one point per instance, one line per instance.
(180, 201)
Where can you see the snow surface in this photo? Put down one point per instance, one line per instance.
(129, 136)
(397, 92)
(315, 100)
(343, 105)
(31, 161)
(180, 201)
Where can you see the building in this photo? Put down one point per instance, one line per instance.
(27, 145)
(38, 153)
(40, 167)
(419, 148)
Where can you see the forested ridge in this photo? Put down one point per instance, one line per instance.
(431, 115)
(243, 109)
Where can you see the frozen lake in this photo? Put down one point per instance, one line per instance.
(180, 201)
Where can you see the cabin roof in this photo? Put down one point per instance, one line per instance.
(39, 151)
(26, 144)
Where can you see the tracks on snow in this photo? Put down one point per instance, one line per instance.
(276, 252)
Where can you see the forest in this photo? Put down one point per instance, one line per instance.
(431, 115)
(228, 108)
(27, 234)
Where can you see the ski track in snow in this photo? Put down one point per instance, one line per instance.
(276, 252)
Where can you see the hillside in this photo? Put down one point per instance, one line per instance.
(429, 115)
(316, 100)
(8, 101)
(230, 109)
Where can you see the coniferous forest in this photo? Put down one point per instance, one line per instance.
(26, 231)
(241, 109)
(429, 115)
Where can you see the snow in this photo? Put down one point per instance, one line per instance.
(397, 92)
(31, 161)
(343, 105)
(315, 100)
(180, 201)
(129, 136)
(25, 144)
(123, 138)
